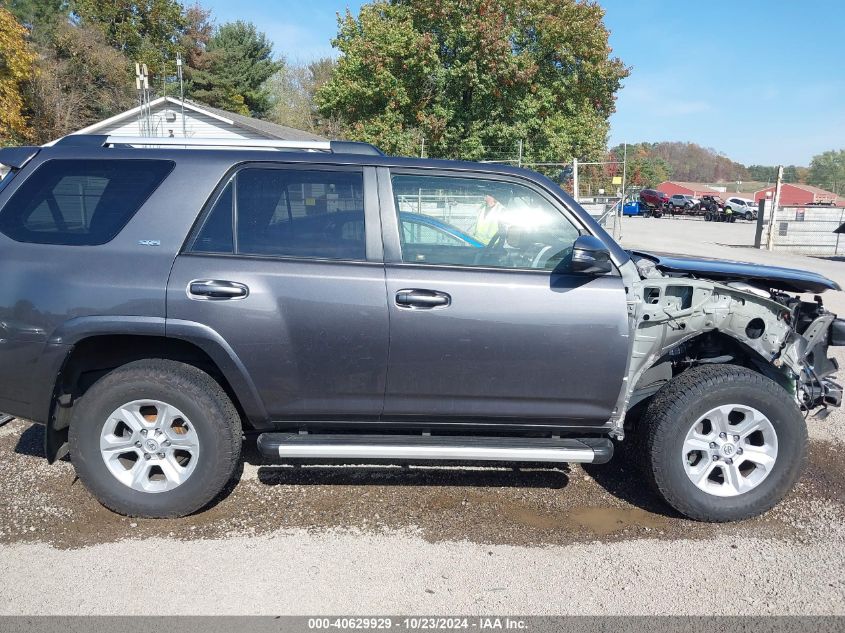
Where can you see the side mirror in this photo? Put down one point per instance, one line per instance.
(590, 256)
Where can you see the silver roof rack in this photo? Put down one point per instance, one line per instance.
(314, 146)
(335, 147)
(101, 140)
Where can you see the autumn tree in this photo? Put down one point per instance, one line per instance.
(643, 169)
(197, 32)
(82, 80)
(470, 75)
(292, 91)
(680, 161)
(16, 67)
(232, 70)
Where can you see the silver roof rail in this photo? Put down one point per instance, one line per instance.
(314, 146)
(335, 147)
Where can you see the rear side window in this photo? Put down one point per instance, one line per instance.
(217, 235)
(313, 214)
(80, 202)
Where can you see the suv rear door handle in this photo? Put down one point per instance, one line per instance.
(216, 289)
(413, 298)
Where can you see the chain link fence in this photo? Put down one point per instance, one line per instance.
(809, 230)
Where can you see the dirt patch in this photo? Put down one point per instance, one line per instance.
(524, 505)
(604, 521)
(825, 475)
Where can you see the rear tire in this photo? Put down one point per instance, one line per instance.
(162, 416)
(687, 479)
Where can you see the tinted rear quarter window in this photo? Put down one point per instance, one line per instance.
(80, 202)
(297, 213)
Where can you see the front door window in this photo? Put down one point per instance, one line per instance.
(463, 221)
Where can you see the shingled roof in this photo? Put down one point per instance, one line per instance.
(260, 126)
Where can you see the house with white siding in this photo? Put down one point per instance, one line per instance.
(170, 117)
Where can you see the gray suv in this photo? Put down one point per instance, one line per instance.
(164, 302)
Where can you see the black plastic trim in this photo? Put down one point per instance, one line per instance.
(837, 333)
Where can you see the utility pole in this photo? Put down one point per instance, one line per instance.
(575, 179)
(422, 147)
(181, 92)
(624, 184)
(519, 161)
(770, 240)
(624, 170)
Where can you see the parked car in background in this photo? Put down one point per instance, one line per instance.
(684, 202)
(654, 201)
(709, 206)
(742, 208)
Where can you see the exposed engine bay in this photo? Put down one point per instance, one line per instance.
(680, 318)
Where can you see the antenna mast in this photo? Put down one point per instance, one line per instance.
(142, 85)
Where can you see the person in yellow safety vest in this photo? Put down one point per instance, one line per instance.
(487, 223)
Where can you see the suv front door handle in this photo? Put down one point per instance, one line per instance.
(413, 298)
(216, 289)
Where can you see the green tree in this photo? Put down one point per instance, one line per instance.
(147, 31)
(827, 170)
(232, 71)
(39, 16)
(471, 76)
(768, 173)
(762, 173)
(16, 67)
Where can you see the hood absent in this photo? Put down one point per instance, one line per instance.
(786, 279)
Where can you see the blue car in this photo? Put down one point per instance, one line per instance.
(352, 223)
(414, 222)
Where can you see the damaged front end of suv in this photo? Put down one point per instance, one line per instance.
(688, 312)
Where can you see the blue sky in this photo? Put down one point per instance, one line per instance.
(762, 81)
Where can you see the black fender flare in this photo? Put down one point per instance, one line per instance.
(61, 343)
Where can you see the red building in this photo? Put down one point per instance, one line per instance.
(796, 195)
(695, 189)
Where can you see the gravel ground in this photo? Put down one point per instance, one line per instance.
(462, 539)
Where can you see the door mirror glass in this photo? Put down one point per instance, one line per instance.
(590, 256)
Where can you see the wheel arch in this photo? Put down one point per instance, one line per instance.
(92, 354)
(718, 345)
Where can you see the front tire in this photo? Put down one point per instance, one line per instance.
(749, 216)
(155, 438)
(723, 443)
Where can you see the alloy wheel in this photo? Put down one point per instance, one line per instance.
(149, 445)
(730, 450)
